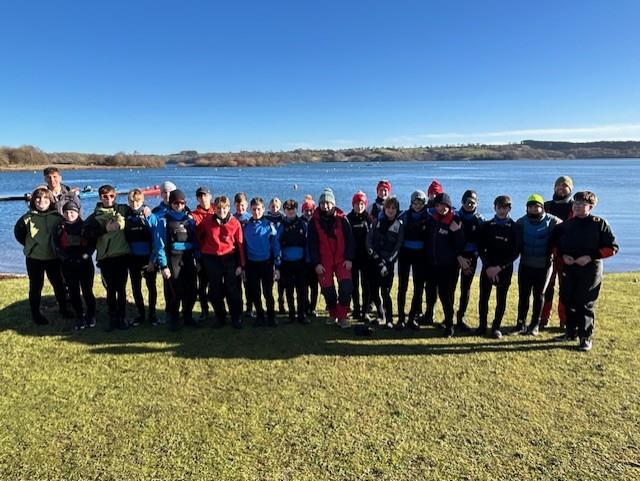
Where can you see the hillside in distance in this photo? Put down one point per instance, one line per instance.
(29, 156)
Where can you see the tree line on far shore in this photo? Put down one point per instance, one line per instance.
(28, 155)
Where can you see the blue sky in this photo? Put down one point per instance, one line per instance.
(159, 77)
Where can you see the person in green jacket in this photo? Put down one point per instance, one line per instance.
(105, 228)
(35, 230)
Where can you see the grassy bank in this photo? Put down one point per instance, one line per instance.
(314, 402)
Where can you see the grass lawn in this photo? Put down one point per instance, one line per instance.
(314, 402)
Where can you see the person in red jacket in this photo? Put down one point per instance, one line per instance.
(332, 248)
(222, 249)
(204, 209)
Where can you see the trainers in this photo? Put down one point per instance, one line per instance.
(400, 326)
(496, 334)
(585, 344)
(518, 329)
(414, 325)
(449, 331)
(80, 324)
(344, 323)
(137, 321)
(90, 321)
(330, 321)
(533, 331)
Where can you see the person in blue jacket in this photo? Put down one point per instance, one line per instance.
(262, 251)
(535, 230)
(292, 235)
(175, 247)
(138, 230)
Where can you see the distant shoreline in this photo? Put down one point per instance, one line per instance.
(27, 157)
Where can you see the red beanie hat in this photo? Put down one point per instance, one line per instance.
(308, 203)
(435, 188)
(359, 196)
(384, 183)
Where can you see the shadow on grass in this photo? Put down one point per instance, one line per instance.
(284, 342)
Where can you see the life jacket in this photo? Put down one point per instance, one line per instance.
(137, 228)
(179, 236)
(385, 235)
(535, 239)
(293, 234)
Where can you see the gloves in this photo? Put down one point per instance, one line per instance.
(384, 271)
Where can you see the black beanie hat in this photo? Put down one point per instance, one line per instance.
(443, 198)
(176, 195)
(70, 205)
(469, 194)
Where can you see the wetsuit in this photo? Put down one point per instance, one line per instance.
(442, 249)
(292, 235)
(471, 222)
(360, 226)
(412, 259)
(175, 246)
(138, 230)
(74, 253)
(383, 245)
(497, 246)
(561, 207)
(310, 277)
(580, 285)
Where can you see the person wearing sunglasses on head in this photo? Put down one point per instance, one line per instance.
(106, 228)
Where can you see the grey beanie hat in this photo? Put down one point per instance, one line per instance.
(418, 194)
(327, 196)
(167, 186)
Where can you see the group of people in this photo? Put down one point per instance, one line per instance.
(209, 254)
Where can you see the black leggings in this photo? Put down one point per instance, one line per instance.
(531, 279)
(114, 272)
(35, 270)
(137, 270)
(311, 287)
(359, 277)
(502, 288)
(260, 282)
(222, 279)
(204, 290)
(442, 280)
(381, 291)
(181, 287)
(410, 260)
(78, 275)
(465, 286)
(293, 278)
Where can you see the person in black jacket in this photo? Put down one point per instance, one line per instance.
(74, 253)
(562, 207)
(582, 242)
(383, 246)
(444, 243)
(498, 248)
(471, 222)
(360, 225)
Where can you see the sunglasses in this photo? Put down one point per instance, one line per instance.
(108, 196)
(178, 202)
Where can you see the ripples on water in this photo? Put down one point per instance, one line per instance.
(613, 180)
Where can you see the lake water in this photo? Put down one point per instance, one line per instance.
(615, 181)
